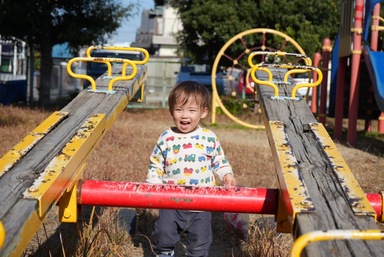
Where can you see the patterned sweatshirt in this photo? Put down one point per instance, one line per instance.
(187, 159)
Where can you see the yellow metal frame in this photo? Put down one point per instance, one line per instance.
(65, 169)
(19, 150)
(107, 61)
(376, 27)
(120, 48)
(142, 90)
(292, 69)
(317, 236)
(2, 234)
(216, 101)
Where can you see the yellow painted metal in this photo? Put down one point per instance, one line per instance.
(253, 89)
(268, 82)
(29, 228)
(317, 236)
(216, 101)
(292, 69)
(66, 166)
(68, 202)
(293, 192)
(120, 48)
(2, 234)
(107, 61)
(18, 151)
(142, 91)
(124, 77)
(352, 190)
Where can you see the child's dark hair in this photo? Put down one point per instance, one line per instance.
(183, 91)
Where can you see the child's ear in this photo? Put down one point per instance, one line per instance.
(204, 113)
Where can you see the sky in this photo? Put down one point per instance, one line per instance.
(127, 32)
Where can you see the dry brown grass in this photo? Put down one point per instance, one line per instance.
(123, 155)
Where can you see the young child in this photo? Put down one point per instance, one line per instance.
(187, 154)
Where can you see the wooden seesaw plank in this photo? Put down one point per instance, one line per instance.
(335, 200)
(22, 210)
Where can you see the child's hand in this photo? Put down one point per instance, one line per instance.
(229, 180)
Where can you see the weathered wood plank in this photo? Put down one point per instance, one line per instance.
(332, 208)
(18, 214)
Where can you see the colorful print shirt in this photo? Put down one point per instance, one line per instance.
(187, 159)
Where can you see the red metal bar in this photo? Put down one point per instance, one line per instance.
(316, 60)
(354, 89)
(143, 195)
(339, 107)
(324, 84)
(377, 204)
(220, 199)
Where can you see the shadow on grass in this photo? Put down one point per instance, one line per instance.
(370, 142)
(67, 236)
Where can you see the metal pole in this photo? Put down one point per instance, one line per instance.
(158, 196)
(324, 84)
(143, 195)
(31, 72)
(374, 43)
(316, 61)
(354, 88)
(339, 100)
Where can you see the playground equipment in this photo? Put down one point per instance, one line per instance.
(318, 198)
(305, 159)
(373, 57)
(258, 39)
(347, 47)
(45, 167)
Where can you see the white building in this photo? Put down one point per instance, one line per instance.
(158, 30)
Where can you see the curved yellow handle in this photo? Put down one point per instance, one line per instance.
(106, 61)
(304, 57)
(264, 82)
(291, 70)
(120, 48)
(124, 77)
(312, 84)
(2, 234)
(80, 76)
(316, 236)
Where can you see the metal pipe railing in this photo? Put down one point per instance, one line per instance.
(144, 195)
(219, 199)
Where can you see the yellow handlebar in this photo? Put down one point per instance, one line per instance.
(108, 62)
(292, 69)
(2, 234)
(316, 236)
(120, 48)
(304, 57)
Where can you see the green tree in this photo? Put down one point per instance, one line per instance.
(44, 23)
(209, 24)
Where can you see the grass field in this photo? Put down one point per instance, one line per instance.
(123, 155)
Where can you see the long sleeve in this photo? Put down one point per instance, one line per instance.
(220, 163)
(156, 166)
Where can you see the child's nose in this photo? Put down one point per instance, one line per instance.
(184, 113)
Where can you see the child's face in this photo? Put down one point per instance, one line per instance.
(187, 117)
